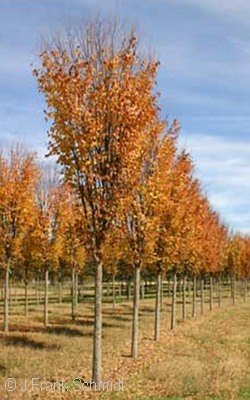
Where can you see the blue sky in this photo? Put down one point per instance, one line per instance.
(204, 80)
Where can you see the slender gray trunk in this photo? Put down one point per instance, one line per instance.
(10, 292)
(173, 307)
(136, 301)
(129, 290)
(119, 290)
(169, 288)
(189, 287)
(211, 300)
(46, 298)
(6, 299)
(73, 297)
(60, 286)
(233, 289)
(107, 290)
(26, 298)
(245, 290)
(162, 293)
(194, 297)
(113, 291)
(97, 345)
(37, 291)
(184, 298)
(219, 292)
(76, 292)
(15, 292)
(202, 295)
(158, 306)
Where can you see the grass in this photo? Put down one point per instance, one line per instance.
(205, 358)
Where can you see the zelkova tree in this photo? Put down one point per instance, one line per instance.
(177, 227)
(160, 212)
(99, 95)
(52, 211)
(18, 178)
(28, 249)
(73, 252)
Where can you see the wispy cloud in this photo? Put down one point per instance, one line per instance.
(223, 165)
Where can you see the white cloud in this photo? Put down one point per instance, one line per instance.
(223, 166)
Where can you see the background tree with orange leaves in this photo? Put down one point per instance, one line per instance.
(18, 180)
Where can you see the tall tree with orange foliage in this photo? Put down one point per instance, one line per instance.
(18, 179)
(99, 95)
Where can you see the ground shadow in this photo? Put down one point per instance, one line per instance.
(121, 318)
(66, 331)
(3, 370)
(24, 341)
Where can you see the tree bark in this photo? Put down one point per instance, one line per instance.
(46, 298)
(184, 298)
(245, 290)
(120, 290)
(6, 299)
(37, 291)
(26, 298)
(113, 291)
(219, 292)
(202, 295)
(233, 289)
(60, 286)
(76, 293)
(211, 302)
(173, 307)
(194, 297)
(129, 290)
(97, 345)
(158, 306)
(169, 288)
(162, 293)
(136, 301)
(73, 288)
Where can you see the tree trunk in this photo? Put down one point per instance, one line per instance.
(189, 287)
(73, 288)
(76, 293)
(173, 307)
(136, 301)
(119, 290)
(202, 295)
(26, 298)
(245, 290)
(129, 290)
(219, 292)
(169, 288)
(162, 293)
(158, 306)
(97, 345)
(37, 291)
(113, 291)
(194, 297)
(211, 302)
(60, 286)
(6, 299)
(184, 298)
(46, 298)
(233, 289)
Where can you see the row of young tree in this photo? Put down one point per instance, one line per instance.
(127, 196)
